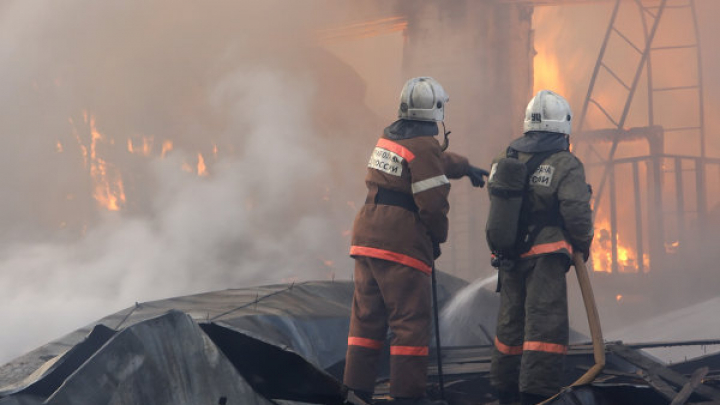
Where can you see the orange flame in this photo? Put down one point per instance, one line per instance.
(83, 148)
(58, 147)
(109, 190)
(547, 71)
(146, 148)
(201, 168)
(601, 252)
(167, 146)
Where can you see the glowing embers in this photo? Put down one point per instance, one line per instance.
(601, 252)
(672, 247)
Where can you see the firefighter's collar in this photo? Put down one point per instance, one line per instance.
(404, 129)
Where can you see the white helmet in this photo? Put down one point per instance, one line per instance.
(548, 112)
(422, 99)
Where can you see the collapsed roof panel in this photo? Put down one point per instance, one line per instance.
(287, 343)
(300, 329)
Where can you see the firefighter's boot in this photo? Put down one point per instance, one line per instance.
(508, 397)
(356, 397)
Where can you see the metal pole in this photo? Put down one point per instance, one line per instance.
(701, 91)
(638, 219)
(441, 378)
(680, 194)
(613, 220)
(701, 188)
(596, 70)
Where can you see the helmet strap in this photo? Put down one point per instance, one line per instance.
(446, 141)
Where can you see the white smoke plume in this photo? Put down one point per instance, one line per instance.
(241, 77)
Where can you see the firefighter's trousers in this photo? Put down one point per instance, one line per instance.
(389, 293)
(532, 329)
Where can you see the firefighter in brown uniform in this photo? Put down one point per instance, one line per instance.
(532, 329)
(396, 237)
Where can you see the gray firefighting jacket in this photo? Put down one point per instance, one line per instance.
(560, 197)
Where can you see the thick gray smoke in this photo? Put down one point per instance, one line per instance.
(240, 77)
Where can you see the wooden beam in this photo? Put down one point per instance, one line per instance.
(653, 367)
(695, 380)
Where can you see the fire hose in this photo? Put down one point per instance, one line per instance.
(593, 321)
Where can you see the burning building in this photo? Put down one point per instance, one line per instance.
(161, 150)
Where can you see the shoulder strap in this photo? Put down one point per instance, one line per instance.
(537, 159)
(528, 239)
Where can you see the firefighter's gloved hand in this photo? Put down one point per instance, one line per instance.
(477, 175)
(585, 253)
(436, 250)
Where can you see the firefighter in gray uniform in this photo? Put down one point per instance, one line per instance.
(532, 328)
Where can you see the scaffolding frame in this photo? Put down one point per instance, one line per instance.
(651, 14)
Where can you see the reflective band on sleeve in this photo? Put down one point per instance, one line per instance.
(427, 184)
(364, 342)
(397, 148)
(408, 350)
(390, 256)
(545, 347)
(509, 350)
(548, 248)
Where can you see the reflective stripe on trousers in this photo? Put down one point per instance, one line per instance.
(390, 256)
(363, 342)
(532, 329)
(530, 345)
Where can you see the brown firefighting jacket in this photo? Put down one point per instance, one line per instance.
(419, 170)
(558, 188)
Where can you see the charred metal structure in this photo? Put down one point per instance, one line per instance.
(627, 127)
(666, 179)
